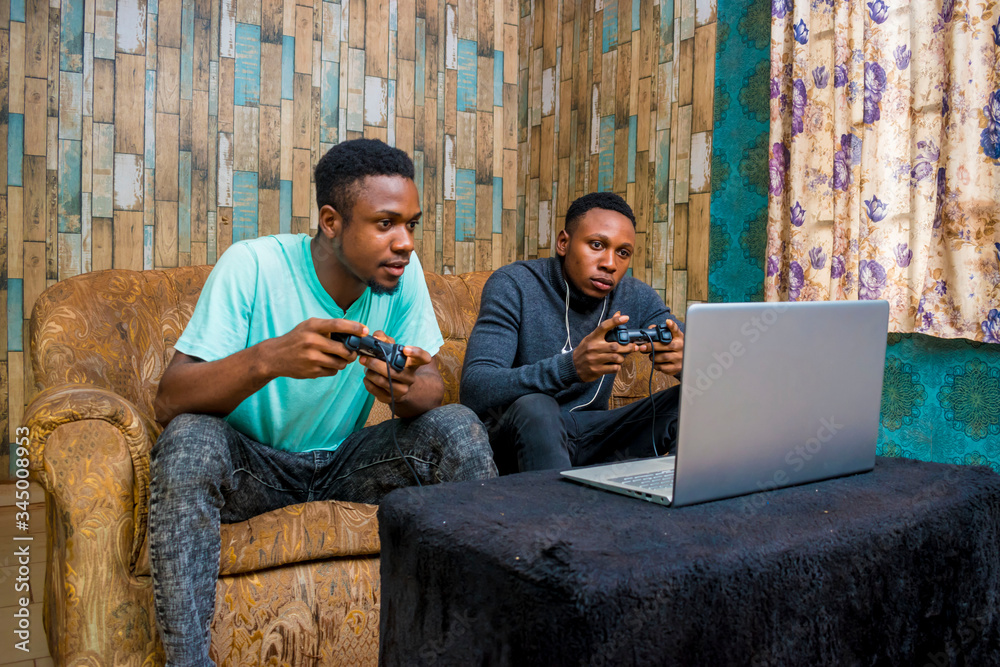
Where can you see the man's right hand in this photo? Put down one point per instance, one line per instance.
(218, 387)
(595, 357)
(307, 351)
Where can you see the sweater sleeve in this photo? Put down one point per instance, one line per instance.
(489, 381)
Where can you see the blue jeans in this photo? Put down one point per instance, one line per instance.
(536, 433)
(204, 472)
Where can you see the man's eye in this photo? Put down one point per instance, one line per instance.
(385, 224)
(625, 253)
(412, 224)
(596, 245)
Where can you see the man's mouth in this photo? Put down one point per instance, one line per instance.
(601, 283)
(395, 267)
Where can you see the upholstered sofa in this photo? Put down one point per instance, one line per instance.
(297, 586)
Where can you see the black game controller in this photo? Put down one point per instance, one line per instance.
(622, 335)
(373, 347)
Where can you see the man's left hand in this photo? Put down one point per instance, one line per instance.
(378, 373)
(669, 357)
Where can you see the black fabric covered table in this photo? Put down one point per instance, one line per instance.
(897, 566)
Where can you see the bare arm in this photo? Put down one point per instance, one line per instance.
(218, 387)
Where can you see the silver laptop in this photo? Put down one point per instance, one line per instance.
(773, 395)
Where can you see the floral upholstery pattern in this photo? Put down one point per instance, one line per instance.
(316, 613)
(297, 586)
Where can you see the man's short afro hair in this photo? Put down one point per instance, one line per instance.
(609, 201)
(339, 173)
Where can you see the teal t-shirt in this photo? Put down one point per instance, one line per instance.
(265, 287)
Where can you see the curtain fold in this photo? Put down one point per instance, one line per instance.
(884, 160)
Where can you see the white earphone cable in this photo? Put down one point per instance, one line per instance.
(568, 346)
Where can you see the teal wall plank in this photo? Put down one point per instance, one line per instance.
(212, 218)
(440, 97)
(390, 113)
(667, 27)
(329, 101)
(468, 66)
(184, 201)
(15, 148)
(187, 49)
(71, 36)
(498, 205)
(147, 247)
(420, 70)
(17, 10)
(498, 79)
(104, 29)
(285, 208)
(70, 157)
(150, 146)
(213, 88)
(101, 201)
(244, 205)
(662, 195)
(15, 314)
(609, 34)
(287, 67)
(635, 15)
(71, 105)
(418, 179)
(465, 205)
(246, 89)
(606, 159)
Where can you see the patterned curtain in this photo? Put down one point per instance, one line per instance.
(885, 160)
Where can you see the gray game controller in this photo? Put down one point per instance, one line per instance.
(622, 335)
(373, 347)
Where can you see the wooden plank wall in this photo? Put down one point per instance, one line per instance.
(618, 95)
(153, 133)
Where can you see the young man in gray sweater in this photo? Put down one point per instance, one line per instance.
(538, 370)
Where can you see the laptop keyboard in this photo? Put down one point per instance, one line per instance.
(661, 479)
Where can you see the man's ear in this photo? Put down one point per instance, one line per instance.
(562, 243)
(331, 223)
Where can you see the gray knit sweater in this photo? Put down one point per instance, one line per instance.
(515, 348)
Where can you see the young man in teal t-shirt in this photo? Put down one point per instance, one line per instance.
(264, 408)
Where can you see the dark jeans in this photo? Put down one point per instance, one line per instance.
(535, 433)
(204, 472)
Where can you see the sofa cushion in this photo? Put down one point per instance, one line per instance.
(456, 305)
(294, 534)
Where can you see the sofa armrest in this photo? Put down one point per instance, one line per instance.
(632, 380)
(72, 403)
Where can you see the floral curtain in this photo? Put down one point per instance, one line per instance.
(885, 160)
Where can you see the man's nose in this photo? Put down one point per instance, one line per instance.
(607, 261)
(402, 240)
